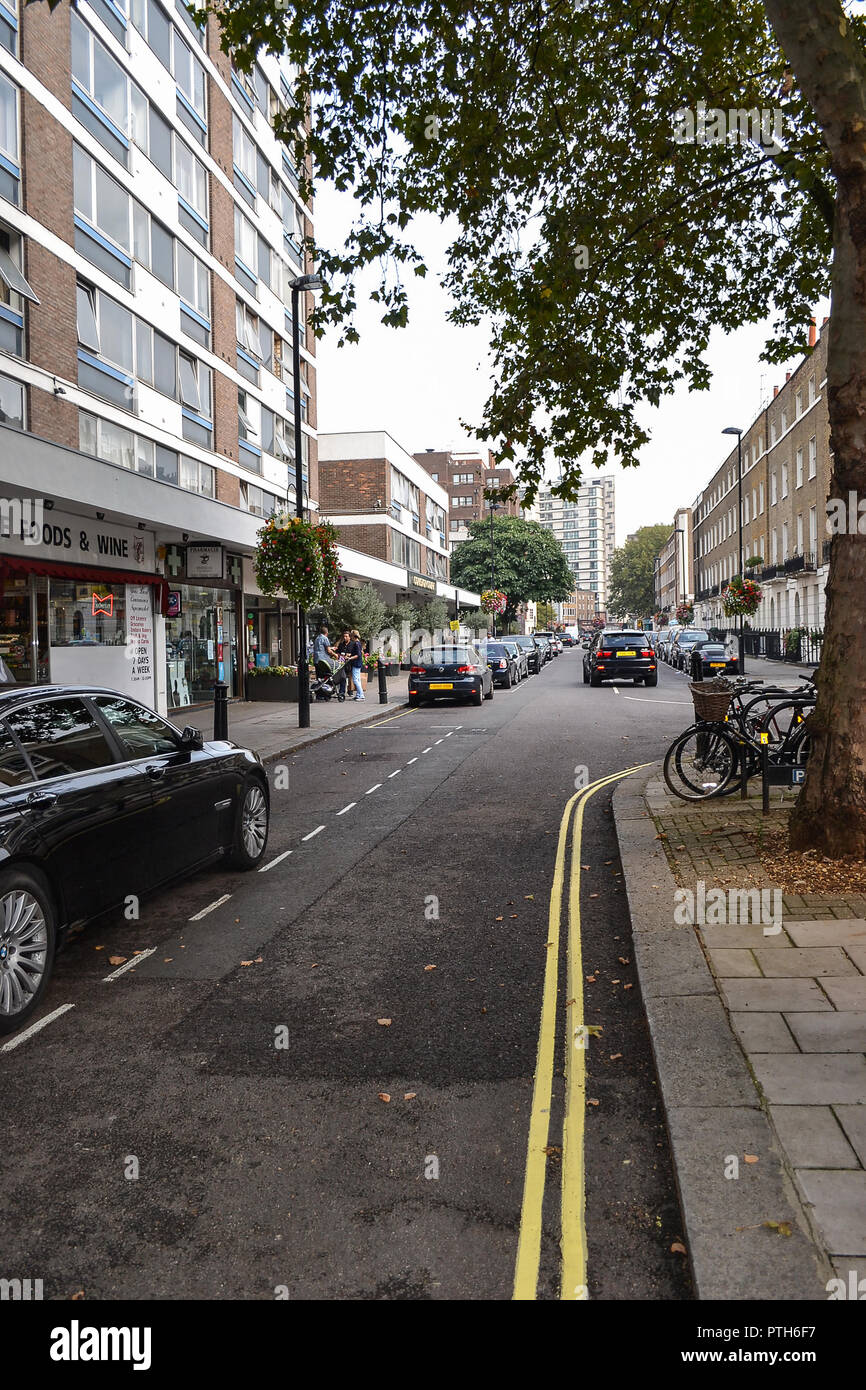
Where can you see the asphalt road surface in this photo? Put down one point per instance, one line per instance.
(212, 1123)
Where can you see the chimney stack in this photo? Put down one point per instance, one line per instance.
(787, 377)
(824, 324)
(775, 392)
(813, 333)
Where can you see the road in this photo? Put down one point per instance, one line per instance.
(214, 1123)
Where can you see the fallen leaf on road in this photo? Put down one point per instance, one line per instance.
(166, 960)
(498, 919)
(615, 1056)
(663, 836)
(553, 1151)
(530, 897)
(76, 1296)
(591, 979)
(429, 967)
(116, 960)
(383, 1095)
(595, 1029)
(246, 962)
(410, 1095)
(628, 986)
(99, 948)
(678, 1248)
(484, 1011)
(584, 866)
(384, 1022)
(750, 1158)
(315, 965)
(616, 982)
(592, 1102)
(512, 914)
(783, 1228)
(623, 960)
(593, 895)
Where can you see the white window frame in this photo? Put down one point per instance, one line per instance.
(12, 153)
(177, 39)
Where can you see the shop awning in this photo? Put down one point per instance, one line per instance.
(20, 564)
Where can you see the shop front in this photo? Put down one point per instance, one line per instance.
(202, 624)
(79, 601)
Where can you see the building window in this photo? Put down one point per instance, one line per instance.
(14, 289)
(258, 502)
(196, 476)
(102, 218)
(9, 25)
(773, 492)
(798, 405)
(153, 245)
(10, 163)
(249, 417)
(189, 75)
(11, 403)
(246, 243)
(813, 456)
(248, 331)
(799, 466)
(190, 177)
(244, 156)
(784, 480)
(811, 390)
(193, 286)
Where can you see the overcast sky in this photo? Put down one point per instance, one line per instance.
(419, 382)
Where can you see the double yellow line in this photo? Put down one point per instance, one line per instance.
(573, 1242)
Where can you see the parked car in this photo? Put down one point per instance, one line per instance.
(531, 651)
(681, 646)
(618, 655)
(567, 640)
(543, 644)
(550, 637)
(101, 798)
(510, 643)
(450, 673)
(502, 662)
(714, 658)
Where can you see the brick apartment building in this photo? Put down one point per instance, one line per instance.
(579, 609)
(466, 476)
(150, 227)
(387, 507)
(674, 578)
(785, 486)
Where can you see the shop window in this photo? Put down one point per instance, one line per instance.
(87, 614)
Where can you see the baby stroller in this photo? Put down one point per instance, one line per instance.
(324, 687)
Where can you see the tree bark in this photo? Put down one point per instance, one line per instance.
(830, 68)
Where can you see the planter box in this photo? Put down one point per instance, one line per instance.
(272, 689)
(392, 668)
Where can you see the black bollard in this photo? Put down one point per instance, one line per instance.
(383, 682)
(220, 710)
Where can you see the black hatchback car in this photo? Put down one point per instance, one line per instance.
(615, 655)
(531, 651)
(449, 673)
(714, 659)
(502, 662)
(100, 798)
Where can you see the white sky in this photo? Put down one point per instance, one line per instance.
(418, 383)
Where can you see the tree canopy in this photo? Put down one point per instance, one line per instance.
(529, 562)
(631, 583)
(599, 237)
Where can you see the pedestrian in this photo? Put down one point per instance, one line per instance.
(342, 648)
(323, 653)
(354, 661)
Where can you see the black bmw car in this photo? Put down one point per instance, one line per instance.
(101, 798)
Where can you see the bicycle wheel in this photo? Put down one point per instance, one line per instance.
(701, 763)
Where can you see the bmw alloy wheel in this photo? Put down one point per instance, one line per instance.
(23, 950)
(254, 821)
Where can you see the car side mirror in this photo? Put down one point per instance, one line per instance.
(191, 739)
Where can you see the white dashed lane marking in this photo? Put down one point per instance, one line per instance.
(35, 1028)
(122, 969)
(372, 789)
(312, 833)
(210, 907)
(279, 859)
(394, 774)
(347, 808)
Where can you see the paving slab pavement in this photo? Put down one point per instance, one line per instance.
(770, 1061)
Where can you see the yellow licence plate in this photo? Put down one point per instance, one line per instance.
(440, 685)
(626, 653)
(714, 664)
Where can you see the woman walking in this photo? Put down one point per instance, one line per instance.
(354, 661)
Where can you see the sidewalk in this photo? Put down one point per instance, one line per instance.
(271, 730)
(759, 1038)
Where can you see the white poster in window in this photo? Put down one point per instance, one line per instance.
(139, 637)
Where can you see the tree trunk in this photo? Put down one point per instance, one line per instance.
(830, 815)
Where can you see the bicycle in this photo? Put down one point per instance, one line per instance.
(714, 755)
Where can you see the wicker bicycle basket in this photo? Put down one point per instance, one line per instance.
(712, 699)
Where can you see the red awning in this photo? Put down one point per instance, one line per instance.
(20, 564)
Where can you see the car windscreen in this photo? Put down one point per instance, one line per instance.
(496, 649)
(711, 648)
(444, 656)
(692, 637)
(623, 639)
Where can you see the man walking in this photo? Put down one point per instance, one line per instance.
(343, 646)
(323, 652)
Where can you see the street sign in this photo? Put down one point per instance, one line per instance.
(454, 625)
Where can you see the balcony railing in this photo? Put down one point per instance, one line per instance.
(769, 571)
(797, 562)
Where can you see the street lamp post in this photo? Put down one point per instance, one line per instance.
(732, 429)
(301, 284)
(493, 508)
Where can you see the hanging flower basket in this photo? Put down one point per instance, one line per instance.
(741, 597)
(298, 559)
(494, 601)
(685, 613)
(660, 619)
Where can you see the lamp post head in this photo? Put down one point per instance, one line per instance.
(732, 429)
(307, 282)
